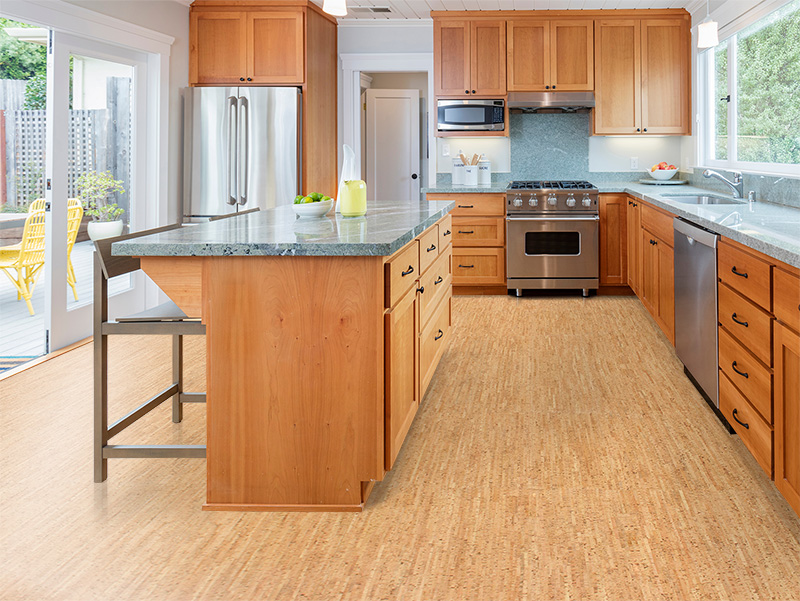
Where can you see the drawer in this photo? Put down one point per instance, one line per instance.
(479, 266)
(479, 231)
(401, 272)
(432, 342)
(475, 204)
(658, 223)
(749, 324)
(786, 297)
(433, 285)
(752, 378)
(428, 247)
(755, 433)
(745, 273)
(445, 232)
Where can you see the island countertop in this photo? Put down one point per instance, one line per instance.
(385, 229)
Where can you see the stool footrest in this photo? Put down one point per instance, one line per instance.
(193, 397)
(155, 451)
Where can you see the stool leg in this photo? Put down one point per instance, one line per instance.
(177, 377)
(100, 373)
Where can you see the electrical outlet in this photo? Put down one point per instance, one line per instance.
(446, 150)
(634, 162)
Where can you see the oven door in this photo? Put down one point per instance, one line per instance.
(470, 115)
(553, 247)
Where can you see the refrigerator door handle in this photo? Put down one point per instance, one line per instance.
(231, 166)
(244, 145)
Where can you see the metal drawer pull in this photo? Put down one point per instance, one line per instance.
(405, 273)
(741, 275)
(466, 266)
(447, 233)
(466, 206)
(735, 411)
(741, 323)
(741, 373)
(421, 289)
(433, 247)
(439, 335)
(439, 280)
(466, 231)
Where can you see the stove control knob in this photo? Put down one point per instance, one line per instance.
(518, 201)
(552, 200)
(533, 200)
(586, 201)
(571, 200)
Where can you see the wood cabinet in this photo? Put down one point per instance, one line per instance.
(276, 46)
(613, 239)
(550, 54)
(787, 414)
(634, 235)
(217, 47)
(479, 254)
(642, 76)
(469, 57)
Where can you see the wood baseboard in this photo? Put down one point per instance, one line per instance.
(614, 291)
(479, 290)
(43, 358)
(253, 507)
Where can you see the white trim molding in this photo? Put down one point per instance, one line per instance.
(352, 66)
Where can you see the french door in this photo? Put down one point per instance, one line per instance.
(96, 107)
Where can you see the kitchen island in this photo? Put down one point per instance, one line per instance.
(322, 336)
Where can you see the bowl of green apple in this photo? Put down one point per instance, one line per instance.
(312, 205)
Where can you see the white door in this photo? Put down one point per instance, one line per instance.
(393, 166)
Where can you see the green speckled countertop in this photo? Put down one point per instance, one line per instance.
(387, 227)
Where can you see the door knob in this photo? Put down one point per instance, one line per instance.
(413, 176)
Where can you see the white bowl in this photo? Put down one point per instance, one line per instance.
(313, 209)
(662, 174)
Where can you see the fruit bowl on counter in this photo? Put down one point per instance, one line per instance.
(313, 205)
(662, 171)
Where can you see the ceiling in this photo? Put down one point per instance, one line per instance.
(420, 9)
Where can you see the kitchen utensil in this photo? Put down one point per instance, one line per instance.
(474, 160)
(463, 159)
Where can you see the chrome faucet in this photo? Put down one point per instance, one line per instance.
(737, 185)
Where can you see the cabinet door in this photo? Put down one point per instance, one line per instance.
(451, 57)
(401, 348)
(275, 47)
(613, 240)
(634, 218)
(572, 55)
(488, 54)
(666, 288)
(787, 414)
(665, 76)
(528, 55)
(217, 49)
(649, 283)
(617, 76)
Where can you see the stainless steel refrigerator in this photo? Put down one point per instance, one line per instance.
(241, 149)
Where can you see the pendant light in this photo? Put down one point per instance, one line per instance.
(707, 31)
(337, 8)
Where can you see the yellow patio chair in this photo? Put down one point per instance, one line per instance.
(74, 217)
(26, 258)
(37, 205)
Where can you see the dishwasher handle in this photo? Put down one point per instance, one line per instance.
(694, 234)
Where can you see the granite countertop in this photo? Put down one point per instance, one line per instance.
(493, 188)
(387, 227)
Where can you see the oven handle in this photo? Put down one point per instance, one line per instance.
(592, 218)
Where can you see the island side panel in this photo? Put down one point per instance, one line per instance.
(295, 383)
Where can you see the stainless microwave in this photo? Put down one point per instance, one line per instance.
(471, 115)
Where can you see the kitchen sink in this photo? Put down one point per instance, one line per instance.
(703, 200)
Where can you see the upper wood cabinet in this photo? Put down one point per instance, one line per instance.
(642, 76)
(469, 57)
(257, 46)
(550, 55)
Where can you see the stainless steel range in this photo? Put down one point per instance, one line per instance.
(552, 235)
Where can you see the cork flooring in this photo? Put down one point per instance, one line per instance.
(560, 453)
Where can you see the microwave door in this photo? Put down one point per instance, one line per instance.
(468, 116)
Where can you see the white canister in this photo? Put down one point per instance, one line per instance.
(458, 172)
(470, 175)
(484, 172)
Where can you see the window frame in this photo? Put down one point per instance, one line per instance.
(706, 101)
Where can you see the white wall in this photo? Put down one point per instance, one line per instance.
(171, 18)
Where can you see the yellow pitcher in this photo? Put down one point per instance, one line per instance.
(353, 197)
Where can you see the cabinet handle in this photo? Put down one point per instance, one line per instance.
(432, 248)
(735, 411)
(405, 273)
(635, 205)
(466, 91)
(554, 87)
(466, 206)
(439, 280)
(466, 231)
(447, 233)
(421, 289)
(439, 335)
(740, 274)
(645, 129)
(466, 266)
(241, 79)
(249, 79)
(547, 87)
(473, 91)
(741, 373)
(638, 129)
(741, 323)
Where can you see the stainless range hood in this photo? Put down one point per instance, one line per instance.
(566, 101)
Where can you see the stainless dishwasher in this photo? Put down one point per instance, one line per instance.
(696, 307)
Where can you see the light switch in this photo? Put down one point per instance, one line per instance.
(634, 162)
(445, 150)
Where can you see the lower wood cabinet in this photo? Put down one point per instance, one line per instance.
(657, 290)
(756, 434)
(787, 414)
(613, 239)
(634, 236)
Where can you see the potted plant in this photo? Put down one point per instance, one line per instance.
(94, 189)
